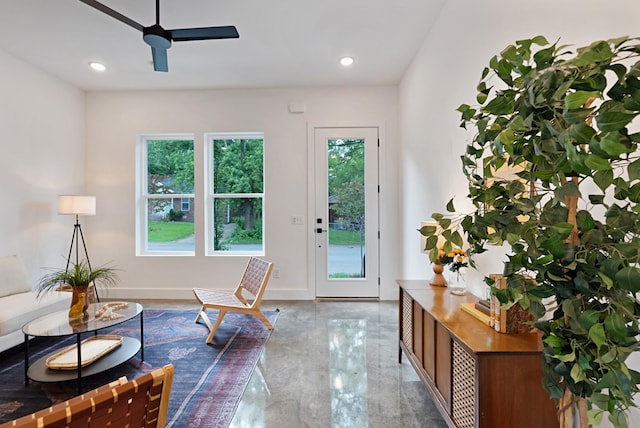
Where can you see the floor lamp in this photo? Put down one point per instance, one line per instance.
(78, 205)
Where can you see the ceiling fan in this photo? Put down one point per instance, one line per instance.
(160, 39)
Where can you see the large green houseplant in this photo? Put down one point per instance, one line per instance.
(562, 123)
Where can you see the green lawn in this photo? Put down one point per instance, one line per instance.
(340, 275)
(343, 237)
(243, 241)
(167, 231)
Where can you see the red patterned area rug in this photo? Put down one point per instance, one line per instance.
(209, 379)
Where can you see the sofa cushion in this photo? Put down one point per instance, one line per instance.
(13, 276)
(19, 309)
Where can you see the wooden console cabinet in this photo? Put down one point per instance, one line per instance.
(477, 377)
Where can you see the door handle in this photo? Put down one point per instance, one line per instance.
(320, 230)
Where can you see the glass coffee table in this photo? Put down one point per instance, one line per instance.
(57, 324)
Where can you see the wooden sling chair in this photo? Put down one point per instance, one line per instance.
(139, 403)
(254, 281)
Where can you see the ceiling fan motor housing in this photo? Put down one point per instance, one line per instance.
(157, 37)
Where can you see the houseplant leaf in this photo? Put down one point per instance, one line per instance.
(628, 278)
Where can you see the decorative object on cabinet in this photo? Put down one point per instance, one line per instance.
(437, 242)
(456, 261)
(471, 308)
(508, 320)
(566, 119)
(438, 278)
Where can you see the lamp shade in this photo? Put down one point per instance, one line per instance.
(78, 205)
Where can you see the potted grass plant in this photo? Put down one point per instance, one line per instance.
(562, 123)
(78, 278)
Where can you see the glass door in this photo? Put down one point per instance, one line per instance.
(346, 218)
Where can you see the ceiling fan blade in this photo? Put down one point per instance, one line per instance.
(117, 15)
(159, 59)
(205, 33)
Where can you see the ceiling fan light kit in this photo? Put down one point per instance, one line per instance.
(160, 39)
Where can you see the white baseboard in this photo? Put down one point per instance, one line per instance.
(187, 294)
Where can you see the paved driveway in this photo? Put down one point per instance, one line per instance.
(342, 258)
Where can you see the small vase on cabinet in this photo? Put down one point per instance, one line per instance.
(438, 278)
(457, 283)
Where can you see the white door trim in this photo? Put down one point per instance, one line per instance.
(311, 172)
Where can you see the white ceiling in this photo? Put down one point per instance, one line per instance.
(282, 42)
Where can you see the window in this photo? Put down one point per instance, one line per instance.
(235, 193)
(185, 204)
(233, 187)
(165, 220)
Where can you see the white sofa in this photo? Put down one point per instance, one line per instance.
(19, 304)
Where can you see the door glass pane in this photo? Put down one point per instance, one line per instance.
(346, 213)
(169, 225)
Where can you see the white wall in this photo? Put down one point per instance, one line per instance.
(41, 156)
(114, 119)
(444, 75)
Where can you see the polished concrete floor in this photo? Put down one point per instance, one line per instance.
(333, 364)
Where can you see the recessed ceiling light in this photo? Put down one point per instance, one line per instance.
(346, 61)
(97, 66)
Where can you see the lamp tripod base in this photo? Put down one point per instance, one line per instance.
(77, 234)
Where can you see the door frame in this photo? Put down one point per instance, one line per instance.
(311, 191)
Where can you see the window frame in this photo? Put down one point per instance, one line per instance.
(185, 202)
(210, 194)
(143, 196)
